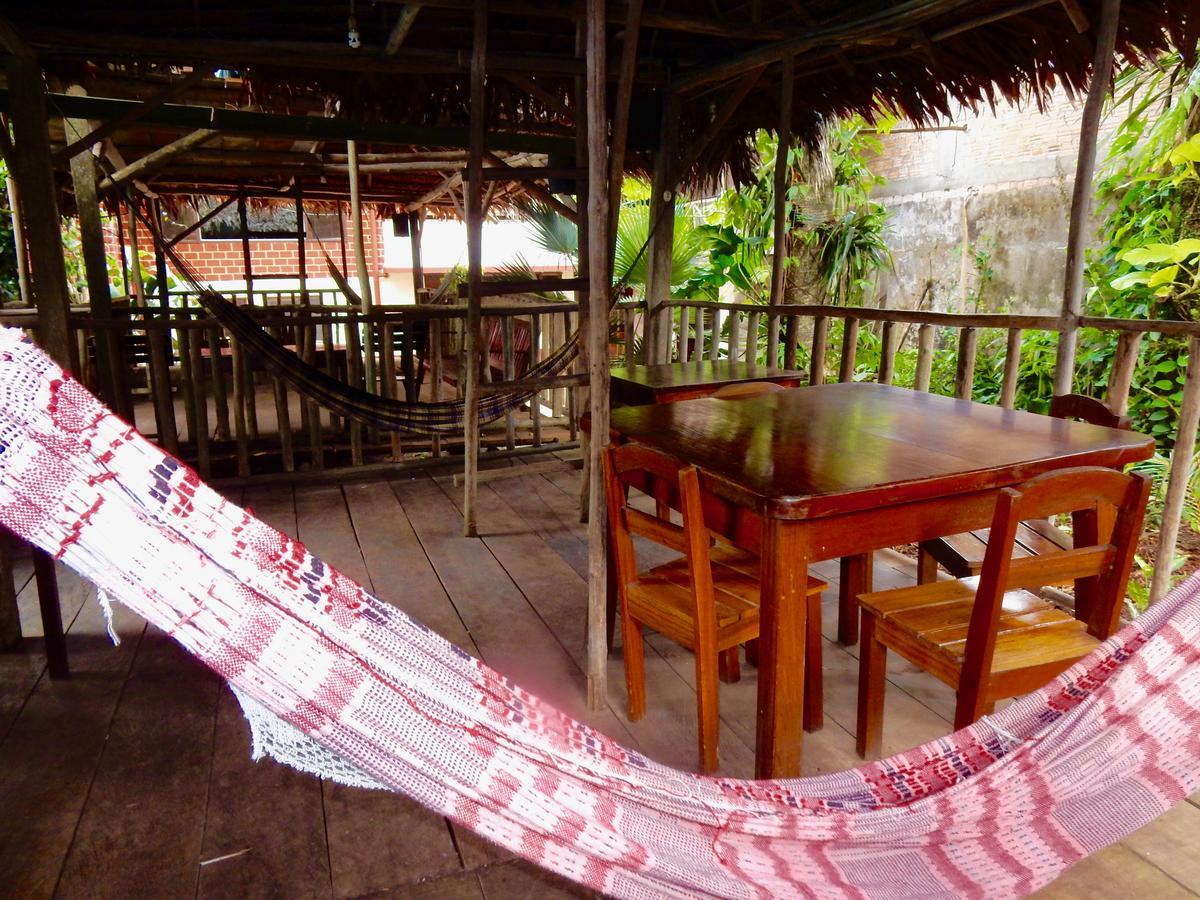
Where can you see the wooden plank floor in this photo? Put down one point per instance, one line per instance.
(134, 778)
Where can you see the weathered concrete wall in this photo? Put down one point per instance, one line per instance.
(1001, 188)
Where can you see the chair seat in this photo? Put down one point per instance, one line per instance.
(962, 554)
(931, 621)
(663, 600)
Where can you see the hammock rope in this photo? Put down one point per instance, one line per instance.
(338, 682)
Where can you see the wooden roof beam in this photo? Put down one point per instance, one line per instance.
(244, 122)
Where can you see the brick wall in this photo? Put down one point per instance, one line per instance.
(222, 261)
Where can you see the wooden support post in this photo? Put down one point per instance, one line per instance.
(247, 261)
(472, 338)
(620, 120)
(597, 341)
(926, 335)
(535, 356)
(435, 374)
(360, 259)
(657, 347)
(964, 376)
(1181, 471)
(239, 407)
(300, 255)
(220, 392)
(1081, 199)
(752, 338)
(354, 361)
(10, 614)
(52, 625)
(779, 253)
(200, 397)
(820, 346)
(39, 202)
(1012, 369)
(1123, 365)
(91, 238)
(508, 355)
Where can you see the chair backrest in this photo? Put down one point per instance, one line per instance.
(745, 389)
(1087, 409)
(644, 469)
(1084, 492)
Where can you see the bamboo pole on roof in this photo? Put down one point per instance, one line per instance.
(599, 288)
(473, 351)
(1081, 198)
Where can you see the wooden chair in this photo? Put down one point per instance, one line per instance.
(744, 390)
(962, 554)
(707, 600)
(989, 637)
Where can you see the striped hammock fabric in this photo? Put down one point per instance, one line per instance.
(338, 682)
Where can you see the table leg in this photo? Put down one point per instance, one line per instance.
(856, 577)
(781, 650)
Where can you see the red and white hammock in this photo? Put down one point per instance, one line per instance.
(338, 682)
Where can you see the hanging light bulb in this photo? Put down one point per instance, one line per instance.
(352, 37)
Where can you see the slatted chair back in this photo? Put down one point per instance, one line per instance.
(645, 469)
(1087, 409)
(1081, 491)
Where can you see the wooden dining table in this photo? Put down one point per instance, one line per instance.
(841, 470)
(669, 382)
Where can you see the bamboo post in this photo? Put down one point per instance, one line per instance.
(354, 374)
(283, 418)
(247, 264)
(820, 346)
(1012, 368)
(579, 397)
(220, 394)
(91, 237)
(301, 257)
(469, 374)
(735, 336)
(316, 447)
(926, 335)
(187, 384)
(159, 342)
(509, 359)
(416, 224)
(597, 341)
(200, 398)
(964, 376)
(19, 245)
(535, 356)
(752, 327)
(10, 614)
(48, 601)
(1121, 378)
(662, 236)
(388, 364)
(714, 347)
(435, 374)
(39, 201)
(1081, 199)
(779, 254)
(1181, 470)
(887, 355)
(849, 350)
(791, 339)
(360, 259)
(239, 408)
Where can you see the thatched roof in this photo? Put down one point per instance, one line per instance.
(720, 57)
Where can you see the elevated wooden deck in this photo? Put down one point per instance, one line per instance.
(134, 778)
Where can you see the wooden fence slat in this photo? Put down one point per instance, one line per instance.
(354, 373)
(820, 347)
(239, 408)
(926, 335)
(1012, 368)
(510, 372)
(203, 449)
(283, 418)
(887, 353)
(964, 376)
(752, 329)
(435, 374)
(535, 356)
(735, 337)
(849, 350)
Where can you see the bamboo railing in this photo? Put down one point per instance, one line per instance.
(190, 385)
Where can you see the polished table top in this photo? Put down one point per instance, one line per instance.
(835, 448)
(650, 384)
